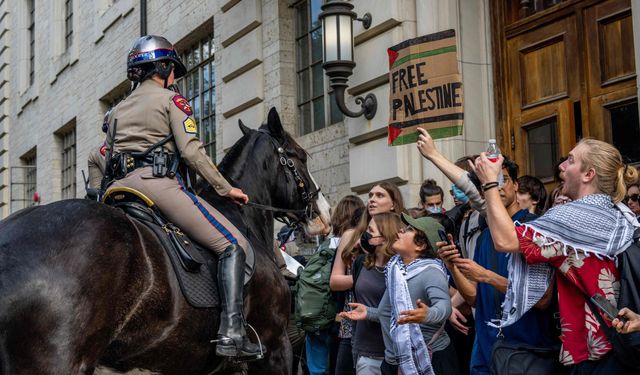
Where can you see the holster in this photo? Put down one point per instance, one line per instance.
(162, 163)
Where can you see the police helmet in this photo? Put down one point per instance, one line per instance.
(146, 58)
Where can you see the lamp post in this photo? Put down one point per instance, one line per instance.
(337, 44)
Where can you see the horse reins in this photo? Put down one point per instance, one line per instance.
(301, 187)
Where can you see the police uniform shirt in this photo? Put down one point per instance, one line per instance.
(150, 114)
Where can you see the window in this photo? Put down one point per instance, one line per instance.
(30, 177)
(519, 9)
(316, 106)
(68, 163)
(199, 87)
(31, 8)
(23, 182)
(542, 142)
(625, 130)
(68, 23)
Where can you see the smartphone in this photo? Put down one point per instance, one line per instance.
(443, 235)
(605, 306)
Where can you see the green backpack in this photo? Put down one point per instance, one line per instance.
(315, 308)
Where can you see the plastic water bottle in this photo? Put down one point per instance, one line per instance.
(492, 154)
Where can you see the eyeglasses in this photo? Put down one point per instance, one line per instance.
(406, 229)
(633, 197)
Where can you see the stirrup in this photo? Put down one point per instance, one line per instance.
(248, 358)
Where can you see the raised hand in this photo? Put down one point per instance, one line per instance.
(426, 146)
(486, 170)
(447, 251)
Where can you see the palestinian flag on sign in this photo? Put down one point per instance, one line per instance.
(425, 88)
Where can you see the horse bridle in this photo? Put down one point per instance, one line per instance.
(301, 187)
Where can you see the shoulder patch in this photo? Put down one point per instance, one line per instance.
(182, 103)
(190, 126)
(103, 149)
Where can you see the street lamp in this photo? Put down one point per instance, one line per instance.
(337, 43)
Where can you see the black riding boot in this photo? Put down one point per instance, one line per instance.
(232, 338)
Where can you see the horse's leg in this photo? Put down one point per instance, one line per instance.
(269, 314)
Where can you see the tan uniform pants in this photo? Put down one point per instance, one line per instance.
(197, 218)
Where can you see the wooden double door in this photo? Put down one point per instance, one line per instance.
(564, 70)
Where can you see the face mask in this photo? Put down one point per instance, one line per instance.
(364, 243)
(459, 194)
(434, 210)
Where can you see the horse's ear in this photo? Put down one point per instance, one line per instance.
(274, 124)
(243, 128)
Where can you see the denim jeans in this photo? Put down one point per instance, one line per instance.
(317, 347)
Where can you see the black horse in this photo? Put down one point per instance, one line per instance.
(83, 287)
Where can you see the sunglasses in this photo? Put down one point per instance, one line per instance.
(633, 197)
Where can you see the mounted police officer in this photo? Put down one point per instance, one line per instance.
(150, 132)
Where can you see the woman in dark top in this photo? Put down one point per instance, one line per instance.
(383, 197)
(369, 286)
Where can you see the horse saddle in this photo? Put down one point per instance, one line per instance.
(196, 268)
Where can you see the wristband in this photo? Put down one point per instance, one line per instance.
(489, 185)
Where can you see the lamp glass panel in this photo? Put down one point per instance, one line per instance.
(346, 38)
(330, 38)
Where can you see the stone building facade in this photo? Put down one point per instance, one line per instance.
(62, 65)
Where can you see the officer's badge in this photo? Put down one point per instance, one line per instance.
(190, 126)
(183, 104)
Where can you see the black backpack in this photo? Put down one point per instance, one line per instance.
(626, 347)
(629, 268)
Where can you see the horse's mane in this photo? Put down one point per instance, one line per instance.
(228, 168)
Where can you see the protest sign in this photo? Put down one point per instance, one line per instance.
(425, 88)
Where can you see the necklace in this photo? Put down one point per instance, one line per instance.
(379, 269)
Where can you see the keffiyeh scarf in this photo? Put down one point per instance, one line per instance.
(411, 351)
(592, 225)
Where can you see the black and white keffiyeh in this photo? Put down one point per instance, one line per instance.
(412, 353)
(592, 225)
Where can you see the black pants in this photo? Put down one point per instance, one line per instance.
(463, 344)
(444, 362)
(607, 365)
(344, 360)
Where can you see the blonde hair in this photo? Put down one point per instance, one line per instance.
(388, 224)
(612, 174)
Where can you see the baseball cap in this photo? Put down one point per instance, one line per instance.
(428, 225)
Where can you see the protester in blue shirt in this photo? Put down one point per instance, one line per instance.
(483, 282)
